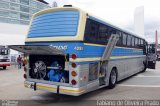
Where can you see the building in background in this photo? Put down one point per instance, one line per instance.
(20, 11)
(139, 21)
(15, 17)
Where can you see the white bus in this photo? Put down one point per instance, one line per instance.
(68, 51)
(4, 57)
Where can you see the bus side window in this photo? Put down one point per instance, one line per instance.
(128, 40)
(142, 42)
(111, 31)
(133, 41)
(91, 31)
(139, 43)
(124, 39)
(136, 42)
(94, 30)
(119, 42)
(142, 45)
(103, 34)
(87, 31)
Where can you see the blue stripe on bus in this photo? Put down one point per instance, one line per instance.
(130, 57)
(88, 62)
(118, 59)
(91, 51)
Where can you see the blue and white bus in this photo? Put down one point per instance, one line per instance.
(68, 51)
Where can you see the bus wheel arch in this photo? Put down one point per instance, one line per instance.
(113, 78)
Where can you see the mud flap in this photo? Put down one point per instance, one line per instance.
(151, 65)
(151, 61)
(151, 56)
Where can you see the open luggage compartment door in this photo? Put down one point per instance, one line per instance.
(38, 50)
(46, 63)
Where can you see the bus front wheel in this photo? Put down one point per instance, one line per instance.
(145, 67)
(112, 78)
(4, 67)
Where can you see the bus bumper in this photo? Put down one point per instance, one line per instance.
(4, 64)
(54, 88)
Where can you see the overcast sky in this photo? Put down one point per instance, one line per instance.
(121, 12)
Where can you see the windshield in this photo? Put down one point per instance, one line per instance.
(151, 48)
(4, 52)
(55, 24)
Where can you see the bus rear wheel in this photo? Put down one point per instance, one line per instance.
(4, 67)
(112, 78)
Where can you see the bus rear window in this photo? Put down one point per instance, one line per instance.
(55, 24)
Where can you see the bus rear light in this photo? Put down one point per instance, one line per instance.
(74, 73)
(73, 82)
(25, 76)
(74, 56)
(74, 65)
(25, 60)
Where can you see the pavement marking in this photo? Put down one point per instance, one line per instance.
(41, 98)
(146, 76)
(5, 84)
(154, 86)
(9, 83)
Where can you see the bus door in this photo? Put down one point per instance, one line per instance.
(151, 56)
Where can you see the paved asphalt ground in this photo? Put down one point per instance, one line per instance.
(143, 86)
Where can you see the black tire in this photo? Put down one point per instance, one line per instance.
(112, 79)
(145, 67)
(4, 67)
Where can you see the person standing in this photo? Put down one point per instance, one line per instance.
(19, 61)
